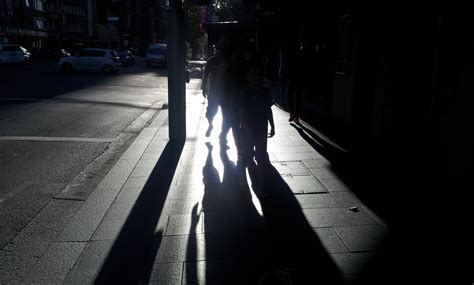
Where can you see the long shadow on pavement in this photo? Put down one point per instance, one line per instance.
(243, 247)
(233, 230)
(293, 246)
(130, 260)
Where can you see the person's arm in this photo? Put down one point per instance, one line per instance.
(205, 77)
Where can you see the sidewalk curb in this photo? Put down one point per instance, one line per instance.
(75, 237)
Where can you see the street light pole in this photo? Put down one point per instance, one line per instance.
(176, 76)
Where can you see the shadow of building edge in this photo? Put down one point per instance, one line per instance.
(344, 165)
(130, 260)
(348, 166)
(365, 174)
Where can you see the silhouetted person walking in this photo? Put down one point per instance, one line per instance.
(234, 82)
(255, 114)
(210, 88)
(294, 75)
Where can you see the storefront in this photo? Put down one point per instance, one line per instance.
(25, 37)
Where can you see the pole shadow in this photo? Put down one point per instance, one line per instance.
(131, 258)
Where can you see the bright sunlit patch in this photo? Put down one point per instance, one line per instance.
(255, 200)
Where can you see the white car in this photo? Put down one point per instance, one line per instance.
(156, 55)
(91, 59)
(12, 54)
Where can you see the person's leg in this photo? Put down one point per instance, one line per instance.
(260, 138)
(226, 123)
(298, 94)
(236, 131)
(261, 155)
(290, 99)
(243, 161)
(211, 110)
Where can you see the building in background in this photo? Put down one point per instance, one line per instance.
(131, 24)
(70, 23)
(75, 24)
(23, 22)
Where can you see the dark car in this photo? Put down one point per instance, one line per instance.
(126, 57)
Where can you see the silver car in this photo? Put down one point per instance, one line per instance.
(91, 59)
(157, 55)
(12, 54)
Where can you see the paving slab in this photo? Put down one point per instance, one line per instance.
(332, 217)
(56, 263)
(328, 200)
(331, 240)
(167, 273)
(334, 184)
(90, 263)
(364, 238)
(354, 263)
(304, 184)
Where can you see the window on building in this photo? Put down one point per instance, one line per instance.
(39, 5)
(39, 24)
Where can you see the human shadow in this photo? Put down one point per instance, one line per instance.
(211, 181)
(294, 253)
(232, 229)
(130, 260)
(244, 247)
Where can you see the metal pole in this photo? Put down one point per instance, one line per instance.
(176, 68)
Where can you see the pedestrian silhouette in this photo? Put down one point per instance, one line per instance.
(294, 74)
(234, 82)
(255, 114)
(209, 87)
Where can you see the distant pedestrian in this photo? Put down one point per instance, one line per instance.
(294, 76)
(255, 115)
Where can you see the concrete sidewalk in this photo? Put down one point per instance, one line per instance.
(175, 213)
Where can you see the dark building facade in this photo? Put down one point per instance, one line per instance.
(131, 24)
(70, 24)
(75, 24)
(23, 22)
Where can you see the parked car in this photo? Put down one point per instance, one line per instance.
(126, 57)
(91, 59)
(12, 54)
(27, 55)
(156, 55)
